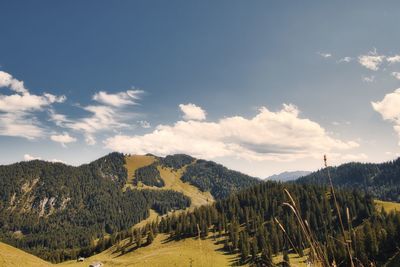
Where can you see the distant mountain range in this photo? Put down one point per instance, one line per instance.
(288, 176)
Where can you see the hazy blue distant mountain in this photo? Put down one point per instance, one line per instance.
(288, 176)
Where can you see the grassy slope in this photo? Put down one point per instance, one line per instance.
(388, 206)
(172, 179)
(152, 217)
(133, 163)
(163, 253)
(294, 259)
(13, 257)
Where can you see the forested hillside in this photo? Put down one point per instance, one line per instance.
(213, 177)
(58, 211)
(257, 224)
(381, 180)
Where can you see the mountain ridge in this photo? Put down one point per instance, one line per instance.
(287, 176)
(382, 180)
(88, 202)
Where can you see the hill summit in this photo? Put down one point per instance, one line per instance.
(56, 211)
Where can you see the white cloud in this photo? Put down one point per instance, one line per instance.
(20, 125)
(396, 75)
(28, 157)
(368, 79)
(102, 118)
(63, 139)
(119, 99)
(389, 108)
(18, 110)
(324, 55)
(192, 112)
(144, 124)
(371, 60)
(280, 136)
(393, 59)
(7, 80)
(345, 59)
(57, 161)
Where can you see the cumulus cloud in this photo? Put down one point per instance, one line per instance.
(368, 79)
(7, 80)
(345, 59)
(372, 60)
(393, 59)
(396, 75)
(101, 118)
(119, 99)
(18, 110)
(63, 139)
(20, 125)
(325, 55)
(28, 157)
(280, 135)
(389, 108)
(192, 112)
(57, 161)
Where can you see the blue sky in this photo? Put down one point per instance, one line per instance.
(259, 86)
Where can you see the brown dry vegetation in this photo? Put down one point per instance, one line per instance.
(171, 177)
(13, 257)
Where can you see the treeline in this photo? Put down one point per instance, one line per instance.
(251, 222)
(54, 211)
(176, 161)
(217, 179)
(381, 180)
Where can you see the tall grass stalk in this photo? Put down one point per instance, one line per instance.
(318, 255)
(347, 243)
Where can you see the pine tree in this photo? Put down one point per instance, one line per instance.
(138, 238)
(286, 259)
(150, 237)
(244, 246)
(254, 250)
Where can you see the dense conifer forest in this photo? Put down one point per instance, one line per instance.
(58, 211)
(381, 180)
(148, 175)
(49, 207)
(256, 224)
(213, 177)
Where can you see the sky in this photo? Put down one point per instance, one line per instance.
(259, 86)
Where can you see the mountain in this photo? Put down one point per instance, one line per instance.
(259, 223)
(382, 180)
(287, 176)
(58, 211)
(244, 228)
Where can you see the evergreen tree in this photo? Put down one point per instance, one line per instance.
(150, 237)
